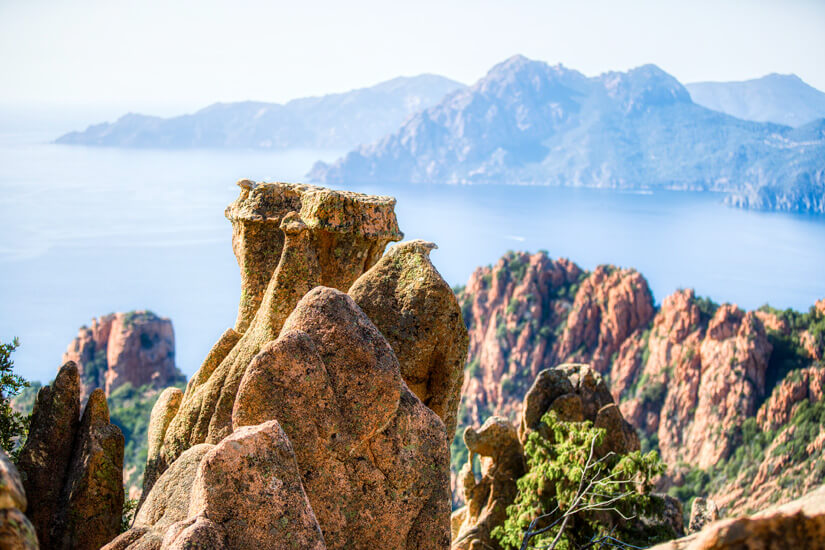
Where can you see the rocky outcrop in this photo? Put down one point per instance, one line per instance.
(797, 524)
(416, 311)
(698, 379)
(691, 376)
(529, 313)
(576, 393)
(45, 457)
(73, 471)
(16, 531)
(326, 237)
(373, 458)
(804, 385)
(502, 464)
(92, 499)
(308, 434)
(137, 347)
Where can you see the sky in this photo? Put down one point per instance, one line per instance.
(166, 57)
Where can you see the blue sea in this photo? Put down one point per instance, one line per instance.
(87, 231)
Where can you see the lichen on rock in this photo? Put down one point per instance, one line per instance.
(417, 312)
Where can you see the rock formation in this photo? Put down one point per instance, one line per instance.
(307, 425)
(16, 531)
(416, 311)
(702, 512)
(502, 463)
(791, 526)
(575, 392)
(73, 471)
(328, 238)
(692, 377)
(373, 458)
(137, 347)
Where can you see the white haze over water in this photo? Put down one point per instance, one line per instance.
(88, 231)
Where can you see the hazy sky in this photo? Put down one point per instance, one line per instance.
(163, 57)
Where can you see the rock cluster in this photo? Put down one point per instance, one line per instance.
(575, 392)
(137, 347)
(16, 531)
(318, 420)
(72, 467)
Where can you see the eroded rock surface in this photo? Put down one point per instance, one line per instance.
(373, 459)
(163, 411)
(416, 311)
(91, 502)
(73, 468)
(327, 237)
(502, 463)
(16, 531)
(45, 457)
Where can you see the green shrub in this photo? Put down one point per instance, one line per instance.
(14, 425)
(558, 469)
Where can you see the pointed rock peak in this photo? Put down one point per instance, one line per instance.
(97, 409)
(68, 378)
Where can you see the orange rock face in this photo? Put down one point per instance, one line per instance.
(687, 375)
(136, 347)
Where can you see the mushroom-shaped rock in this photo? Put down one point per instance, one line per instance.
(91, 503)
(288, 238)
(162, 414)
(249, 489)
(417, 312)
(373, 459)
(348, 232)
(44, 459)
(502, 463)
(16, 531)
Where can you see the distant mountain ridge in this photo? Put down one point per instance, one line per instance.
(779, 98)
(527, 122)
(332, 121)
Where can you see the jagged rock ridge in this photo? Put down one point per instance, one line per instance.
(714, 388)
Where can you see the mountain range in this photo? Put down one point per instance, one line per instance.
(527, 122)
(335, 121)
(780, 98)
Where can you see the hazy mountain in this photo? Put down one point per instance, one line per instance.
(780, 98)
(332, 121)
(526, 122)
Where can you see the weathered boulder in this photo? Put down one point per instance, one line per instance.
(91, 501)
(792, 526)
(502, 464)
(162, 413)
(288, 238)
(16, 531)
(45, 457)
(248, 486)
(417, 312)
(373, 459)
(165, 504)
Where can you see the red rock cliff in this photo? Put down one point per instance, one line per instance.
(136, 347)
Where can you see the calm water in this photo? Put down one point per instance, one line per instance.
(88, 231)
